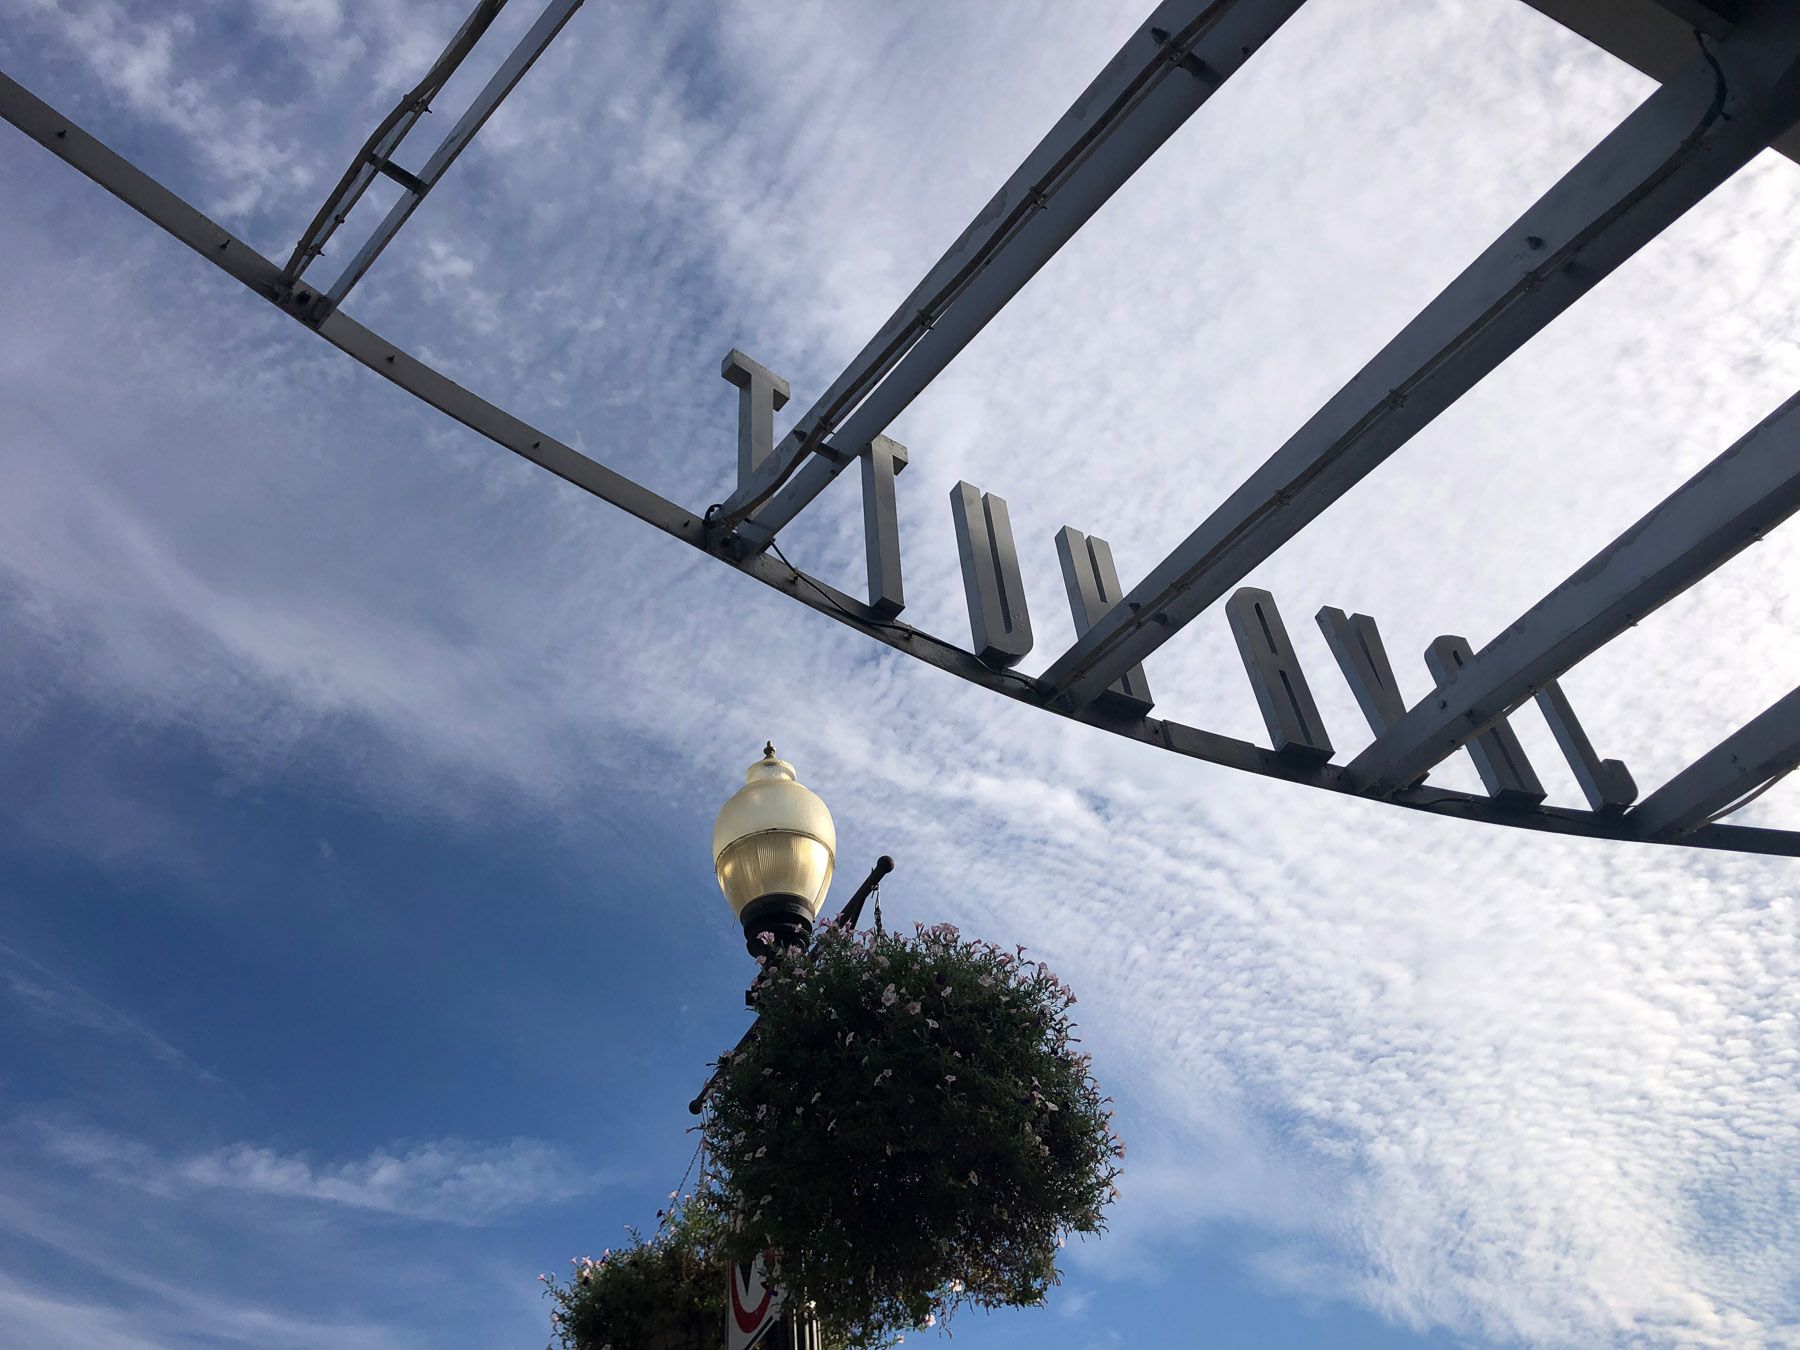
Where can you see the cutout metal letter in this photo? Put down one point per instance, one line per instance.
(998, 620)
(1292, 717)
(881, 460)
(1499, 758)
(1093, 585)
(761, 394)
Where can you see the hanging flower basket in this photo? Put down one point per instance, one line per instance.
(662, 1293)
(910, 1129)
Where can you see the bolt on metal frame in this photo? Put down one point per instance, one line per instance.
(1736, 91)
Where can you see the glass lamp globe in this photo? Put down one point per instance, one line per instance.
(774, 848)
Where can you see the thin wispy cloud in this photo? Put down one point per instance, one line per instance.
(445, 1181)
(72, 1322)
(1527, 1089)
(44, 994)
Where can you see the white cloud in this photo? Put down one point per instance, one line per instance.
(1523, 1087)
(46, 1321)
(446, 1180)
(48, 995)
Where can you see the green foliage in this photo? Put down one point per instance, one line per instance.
(910, 1129)
(663, 1293)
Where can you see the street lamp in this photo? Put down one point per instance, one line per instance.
(774, 849)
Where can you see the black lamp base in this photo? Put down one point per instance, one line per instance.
(787, 919)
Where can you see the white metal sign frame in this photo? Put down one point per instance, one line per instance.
(1729, 73)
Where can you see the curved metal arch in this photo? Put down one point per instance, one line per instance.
(1740, 93)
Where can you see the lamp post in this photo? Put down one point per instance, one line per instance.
(774, 851)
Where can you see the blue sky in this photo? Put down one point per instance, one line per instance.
(360, 950)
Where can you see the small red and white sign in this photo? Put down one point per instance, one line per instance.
(752, 1304)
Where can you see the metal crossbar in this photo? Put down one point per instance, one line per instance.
(1682, 142)
(376, 155)
(1171, 65)
(1721, 510)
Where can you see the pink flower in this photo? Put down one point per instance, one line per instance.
(888, 997)
(914, 1007)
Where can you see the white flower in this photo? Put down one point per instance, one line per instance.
(915, 1007)
(888, 996)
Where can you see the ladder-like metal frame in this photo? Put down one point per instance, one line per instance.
(1729, 73)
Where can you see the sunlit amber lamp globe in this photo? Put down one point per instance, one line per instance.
(774, 848)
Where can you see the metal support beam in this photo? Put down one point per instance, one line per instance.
(1745, 492)
(1655, 36)
(1724, 777)
(1171, 65)
(373, 158)
(511, 71)
(1681, 143)
(137, 189)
